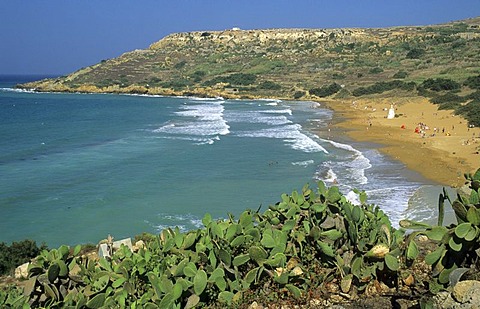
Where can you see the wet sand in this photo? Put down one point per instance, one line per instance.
(442, 150)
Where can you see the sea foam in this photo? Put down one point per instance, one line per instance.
(355, 167)
(291, 134)
(202, 118)
(17, 90)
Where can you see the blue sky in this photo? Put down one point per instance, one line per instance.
(60, 36)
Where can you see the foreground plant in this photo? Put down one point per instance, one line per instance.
(458, 248)
(310, 239)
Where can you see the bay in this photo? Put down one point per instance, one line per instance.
(77, 167)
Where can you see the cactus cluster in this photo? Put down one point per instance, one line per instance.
(281, 250)
(458, 245)
(52, 276)
(310, 239)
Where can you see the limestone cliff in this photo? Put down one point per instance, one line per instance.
(284, 63)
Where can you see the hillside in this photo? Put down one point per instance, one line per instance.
(284, 63)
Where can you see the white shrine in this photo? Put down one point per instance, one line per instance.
(391, 112)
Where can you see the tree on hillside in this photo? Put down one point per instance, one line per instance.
(325, 91)
(440, 84)
(415, 53)
(473, 82)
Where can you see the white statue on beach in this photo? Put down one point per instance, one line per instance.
(391, 112)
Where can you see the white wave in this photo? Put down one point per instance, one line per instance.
(271, 100)
(204, 119)
(331, 176)
(304, 143)
(357, 166)
(328, 175)
(183, 222)
(195, 140)
(196, 129)
(290, 134)
(139, 95)
(303, 163)
(206, 99)
(208, 141)
(316, 105)
(257, 117)
(353, 198)
(278, 111)
(17, 90)
(392, 199)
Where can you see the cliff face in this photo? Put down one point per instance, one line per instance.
(264, 38)
(280, 62)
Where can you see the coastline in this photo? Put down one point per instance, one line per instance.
(442, 157)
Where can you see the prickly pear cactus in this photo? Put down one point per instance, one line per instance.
(458, 244)
(308, 239)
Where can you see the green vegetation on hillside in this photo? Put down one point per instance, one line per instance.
(444, 92)
(311, 242)
(296, 63)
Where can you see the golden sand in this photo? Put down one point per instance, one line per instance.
(444, 148)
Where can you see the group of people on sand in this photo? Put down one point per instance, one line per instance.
(470, 141)
(422, 129)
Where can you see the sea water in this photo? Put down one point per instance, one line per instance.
(77, 167)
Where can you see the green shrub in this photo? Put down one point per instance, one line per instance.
(176, 84)
(448, 98)
(12, 297)
(308, 240)
(440, 84)
(459, 43)
(338, 76)
(154, 81)
(17, 253)
(450, 30)
(375, 70)
(400, 74)
(269, 85)
(449, 106)
(325, 91)
(474, 96)
(180, 64)
(473, 82)
(197, 76)
(384, 86)
(241, 79)
(298, 94)
(471, 112)
(235, 79)
(415, 53)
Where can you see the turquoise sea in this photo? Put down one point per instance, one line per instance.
(77, 167)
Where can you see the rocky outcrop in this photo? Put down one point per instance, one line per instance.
(268, 37)
(465, 295)
(21, 272)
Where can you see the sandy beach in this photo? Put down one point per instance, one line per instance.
(435, 143)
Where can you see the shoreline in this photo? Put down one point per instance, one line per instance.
(442, 157)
